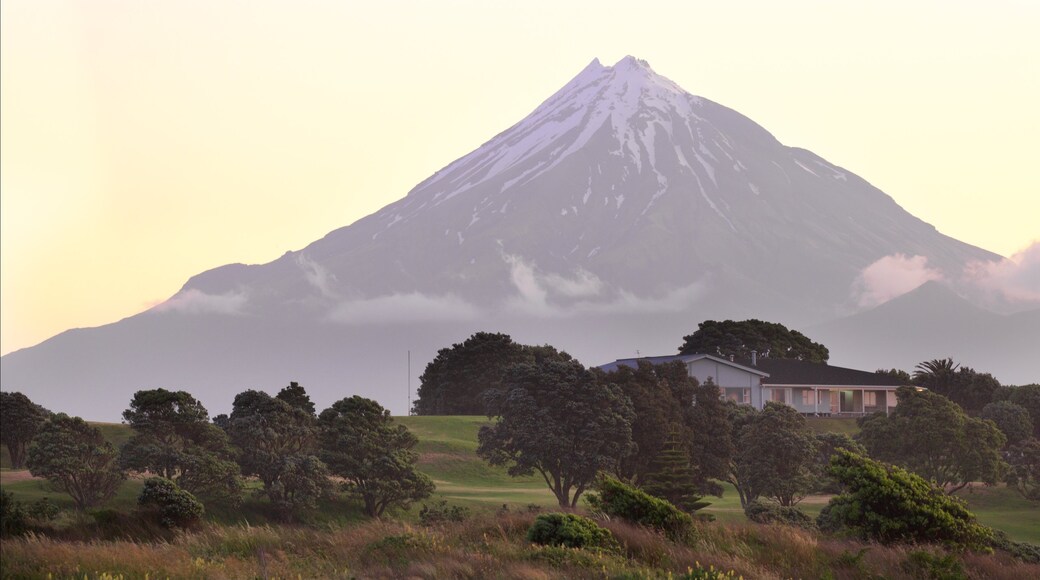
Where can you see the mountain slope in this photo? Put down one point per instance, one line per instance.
(618, 214)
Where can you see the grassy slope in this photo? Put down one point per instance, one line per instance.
(447, 448)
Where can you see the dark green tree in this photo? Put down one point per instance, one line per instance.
(20, 419)
(660, 397)
(886, 504)
(296, 396)
(777, 451)
(277, 443)
(1012, 419)
(76, 459)
(360, 442)
(965, 386)
(455, 381)
(827, 445)
(738, 339)
(740, 418)
(174, 439)
(1027, 396)
(555, 419)
(1024, 475)
(932, 436)
(175, 507)
(710, 437)
(898, 376)
(673, 478)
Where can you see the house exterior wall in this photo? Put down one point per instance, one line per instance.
(727, 377)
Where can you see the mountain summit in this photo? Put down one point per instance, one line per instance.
(616, 215)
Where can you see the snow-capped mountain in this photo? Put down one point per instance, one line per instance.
(615, 216)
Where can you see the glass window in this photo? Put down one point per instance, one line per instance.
(869, 399)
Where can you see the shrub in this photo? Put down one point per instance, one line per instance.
(569, 530)
(13, 517)
(925, 565)
(762, 512)
(890, 505)
(440, 512)
(177, 508)
(1029, 553)
(616, 499)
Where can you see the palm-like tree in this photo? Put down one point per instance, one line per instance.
(935, 374)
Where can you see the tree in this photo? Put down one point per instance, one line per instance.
(965, 386)
(827, 445)
(933, 437)
(20, 419)
(174, 439)
(711, 443)
(673, 478)
(660, 394)
(177, 508)
(738, 339)
(556, 419)
(361, 443)
(1027, 396)
(455, 381)
(276, 443)
(1024, 474)
(776, 450)
(737, 472)
(296, 396)
(889, 505)
(1012, 419)
(899, 376)
(75, 457)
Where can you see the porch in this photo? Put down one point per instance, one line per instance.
(834, 401)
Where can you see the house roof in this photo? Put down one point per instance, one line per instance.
(800, 372)
(685, 358)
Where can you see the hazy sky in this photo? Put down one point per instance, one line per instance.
(144, 142)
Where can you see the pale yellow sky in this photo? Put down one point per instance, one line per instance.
(144, 142)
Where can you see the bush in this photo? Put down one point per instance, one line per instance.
(762, 512)
(14, 520)
(177, 508)
(569, 530)
(626, 502)
(440, 512)
(1029, 553)
(890, 505)
(925, 565)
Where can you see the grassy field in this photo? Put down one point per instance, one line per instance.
(447, 453)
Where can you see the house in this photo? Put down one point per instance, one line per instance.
(811, 388)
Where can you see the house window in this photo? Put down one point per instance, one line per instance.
(869, 399)
(777, 396)
(807, 398)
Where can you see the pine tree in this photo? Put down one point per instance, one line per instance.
(673, 478)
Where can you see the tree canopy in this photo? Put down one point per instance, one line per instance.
(1012, 419)
(555, 419)
(20, 419)
(965, 386)
(360, 442)
(776, 451)
(75, 457)
(455, 381)
(738, 339)
(174, 439)
(933, 437)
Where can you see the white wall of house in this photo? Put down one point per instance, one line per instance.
(728, 377)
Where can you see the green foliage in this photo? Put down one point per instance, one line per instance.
(932, 436)
(740, 418)
(454, 383)
(176, 507)
(776, 451)
(763, 512)
(617, 499)
(673, 479)
(75, 457)
(899, 377)
(441, 513)
(360, 442)
(710, 437)
(174, 439)
(1026, 552)
(556, 419)
(1027, 396)
(929, 566)
(14, 520)
(297, 396)
(276, 442)
(570, 530)
(888, 504)
(1012, 419)
(1024, 475)
(20, 420)
(965, 386)
(738, 339)
(826, 445)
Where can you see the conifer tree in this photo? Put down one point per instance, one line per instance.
(673, 478)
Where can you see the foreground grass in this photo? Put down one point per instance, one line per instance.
(485, 546)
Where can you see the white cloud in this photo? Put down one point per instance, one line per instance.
(404, 308)
(317, 276)
(890, 277)
(583, 284)
(1016, 278)
(193, 301)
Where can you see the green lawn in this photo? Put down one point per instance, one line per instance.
(447, 453)
(845, 425)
